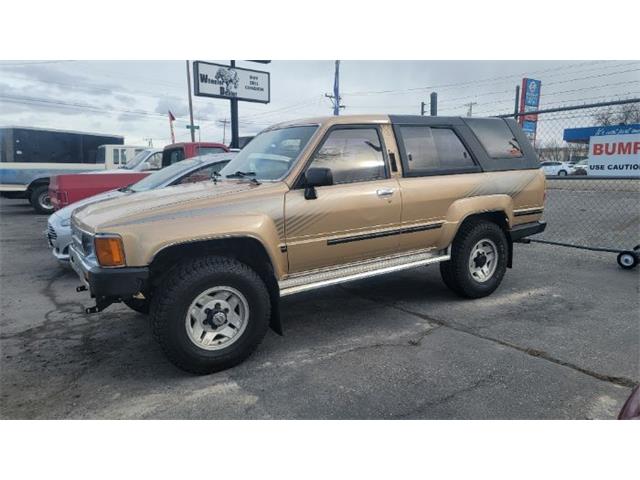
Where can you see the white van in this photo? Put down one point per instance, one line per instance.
(116, 156)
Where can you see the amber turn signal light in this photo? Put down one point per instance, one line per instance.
(109, 251)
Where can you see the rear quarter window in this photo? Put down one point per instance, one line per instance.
(496, 137)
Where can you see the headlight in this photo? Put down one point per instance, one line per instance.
(66, 222)
(87, 244)
(109, 250)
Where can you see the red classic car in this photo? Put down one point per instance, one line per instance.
(67, 189)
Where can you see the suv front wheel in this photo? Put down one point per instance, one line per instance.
(478, 260)
(210, 314)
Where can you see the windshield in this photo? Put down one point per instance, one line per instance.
(139, 158)
(160, 177)
(271, 154)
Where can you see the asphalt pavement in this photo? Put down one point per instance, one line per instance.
(560, 339)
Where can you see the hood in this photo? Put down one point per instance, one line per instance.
(65, 213)
(148, 206)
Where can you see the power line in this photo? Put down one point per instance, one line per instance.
(491, 79)
(544, 95)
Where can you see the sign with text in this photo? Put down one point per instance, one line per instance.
(223, 81)
(614, 155)
(529, 102)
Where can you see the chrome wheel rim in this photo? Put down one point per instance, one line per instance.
(626, 259)
(483, 260)
(45, 201)
(217, 318)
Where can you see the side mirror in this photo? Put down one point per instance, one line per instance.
(316, 177)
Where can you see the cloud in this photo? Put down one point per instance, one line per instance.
(61, 80)
(128, 99)
(177, 106)
(17, 100)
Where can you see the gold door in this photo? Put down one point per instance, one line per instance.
(355, 216)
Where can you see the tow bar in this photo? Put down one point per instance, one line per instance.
(101, 303)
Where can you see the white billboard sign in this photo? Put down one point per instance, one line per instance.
(614, 155)
(223, 81)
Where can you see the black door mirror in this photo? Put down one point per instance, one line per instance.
(316, 177)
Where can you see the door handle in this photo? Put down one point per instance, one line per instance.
(385, 192)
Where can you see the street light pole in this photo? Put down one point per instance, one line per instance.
(193, 136)
(235, 136)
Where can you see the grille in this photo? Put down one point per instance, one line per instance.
(51, 233)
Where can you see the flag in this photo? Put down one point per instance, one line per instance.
(172, 119)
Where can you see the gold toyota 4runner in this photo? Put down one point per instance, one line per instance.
(308, 204)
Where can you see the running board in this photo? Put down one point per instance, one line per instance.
(358, 270)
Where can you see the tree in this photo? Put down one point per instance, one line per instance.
(552, 151)
(621, 115)
(228, 78)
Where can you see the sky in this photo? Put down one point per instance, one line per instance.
(131, 98)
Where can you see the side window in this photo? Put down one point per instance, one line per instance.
(116, 156)
(169, 157)
(123, 156)
(420, 148)
(155, 161)
(452, 153)
(429, 150)
(352, 154)
(496, 137)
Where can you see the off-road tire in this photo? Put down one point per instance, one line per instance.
(140, 305)
(455, 272)
(36, 199)
(171, 301)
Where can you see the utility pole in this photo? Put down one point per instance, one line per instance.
(516, 107)
(470, 105)
(193, 138)
(224, 129)
(335, 98)
(235, 135)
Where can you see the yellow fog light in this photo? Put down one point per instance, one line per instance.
(110, 251)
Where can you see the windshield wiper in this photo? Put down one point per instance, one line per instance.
(126, 189)
(239, 174)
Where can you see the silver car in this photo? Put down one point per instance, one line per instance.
(192, 170)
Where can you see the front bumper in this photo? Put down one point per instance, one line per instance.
(519, 232)
(108, 283)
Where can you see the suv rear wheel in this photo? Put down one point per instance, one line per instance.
(210, 314)
(478, 260)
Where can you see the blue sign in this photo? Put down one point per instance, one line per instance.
(583, 134)
(529, 127)
(531, 92)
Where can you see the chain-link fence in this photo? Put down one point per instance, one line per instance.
(586, 208)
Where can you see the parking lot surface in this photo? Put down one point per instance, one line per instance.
(559, 339)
